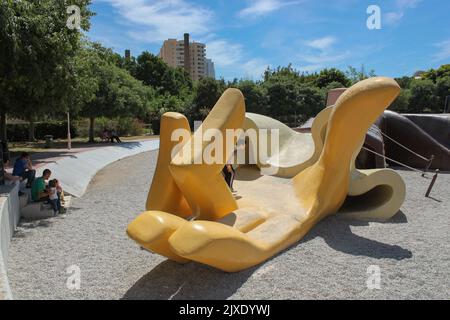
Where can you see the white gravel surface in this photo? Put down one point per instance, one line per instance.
(412, 251)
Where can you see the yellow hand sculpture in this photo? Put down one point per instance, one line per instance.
(374, 194)
(271, 215)
(179, 184)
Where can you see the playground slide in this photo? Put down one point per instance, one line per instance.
(410, 135)
(273, 213)
(374, 194)
(296, 151)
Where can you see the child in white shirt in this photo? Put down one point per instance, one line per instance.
(53, 197)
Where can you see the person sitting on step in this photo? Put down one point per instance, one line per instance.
(39, 192)
(23, 168)
(9, 178)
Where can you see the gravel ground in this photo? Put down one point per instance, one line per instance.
(412, 251)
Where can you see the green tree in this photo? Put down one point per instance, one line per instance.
(153, 71)
(207, 92)
(441, 72)
(333, 85)
(404, 82)
(289, 73)
(35, 56)
(333, 75)
(423, 96)
(116, 92)
(311, 100)
(356, 75)
(401, 104)
(282, 97)
(442, 91)
(255, 96)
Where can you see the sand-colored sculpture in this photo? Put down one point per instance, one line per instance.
(296, 152)
(374, 194)
(273, 213)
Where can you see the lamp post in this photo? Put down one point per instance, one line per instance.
(69, 138)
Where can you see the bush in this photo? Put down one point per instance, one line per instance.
(19, 132)
(130, 127)
(124, 126)
(57, 129)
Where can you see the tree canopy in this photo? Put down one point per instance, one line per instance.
(48, 69)
(36, 55)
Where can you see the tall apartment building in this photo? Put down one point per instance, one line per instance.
(185, 54)
(210, 69)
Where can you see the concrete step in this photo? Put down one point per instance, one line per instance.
(36, 211)
(24, 200)
(40, 210)
(23, 184)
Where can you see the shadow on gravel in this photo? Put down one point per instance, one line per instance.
(26, 225)
(128, 145)
(33, 224)
(338, 235)
(193, 281)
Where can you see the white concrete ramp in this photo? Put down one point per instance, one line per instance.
(77, 170)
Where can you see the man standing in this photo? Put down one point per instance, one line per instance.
(38, 190)
(24, 169)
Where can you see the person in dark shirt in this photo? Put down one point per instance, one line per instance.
(9, 177)
(23, 168)
(229, 174)
(114, 136)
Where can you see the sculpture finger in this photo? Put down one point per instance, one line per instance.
(201, 182)
(231, 250)
(374, 195)
(152, 230)
(164, 194)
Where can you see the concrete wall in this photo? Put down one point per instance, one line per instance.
(9, 218)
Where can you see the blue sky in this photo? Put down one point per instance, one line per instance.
(243, 37)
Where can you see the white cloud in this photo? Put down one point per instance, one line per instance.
(263, 7)
(254, 69)
(405, 4)
(394, 17)
(320, 53)
(153, 21)
(311, 68)
(322, 43)
(157, 20)
(231, 59)
(324, 57)
(444, 51)
(224, 53)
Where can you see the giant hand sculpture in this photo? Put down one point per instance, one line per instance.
(234, 235)
(373, 194)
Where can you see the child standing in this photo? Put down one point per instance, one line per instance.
(60, 191)
(53, 197)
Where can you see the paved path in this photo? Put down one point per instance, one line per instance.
(412, 250)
